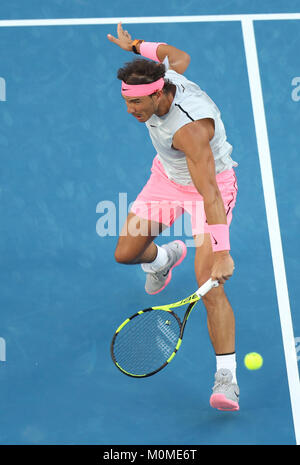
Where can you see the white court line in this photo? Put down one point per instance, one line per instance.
(146, 20)
(264, 157)
(273, 221)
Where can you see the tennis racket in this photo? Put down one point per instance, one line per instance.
(148, 340)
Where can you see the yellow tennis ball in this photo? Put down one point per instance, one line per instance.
(253, 361)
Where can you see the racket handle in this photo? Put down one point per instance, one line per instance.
(207, 287)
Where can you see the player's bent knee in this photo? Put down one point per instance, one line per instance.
(202, 275)
(213, 295)
(124, 256)
(215, 292)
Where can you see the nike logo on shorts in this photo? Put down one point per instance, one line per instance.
(216, 242)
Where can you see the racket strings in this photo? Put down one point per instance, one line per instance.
(146, 342)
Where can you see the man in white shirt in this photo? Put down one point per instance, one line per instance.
(192, 171)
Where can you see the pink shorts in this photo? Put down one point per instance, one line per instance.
(163, 200)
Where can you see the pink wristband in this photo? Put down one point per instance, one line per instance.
(148, 49)
(219, 234)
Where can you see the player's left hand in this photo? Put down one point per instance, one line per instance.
(124, 38)
(223, 266)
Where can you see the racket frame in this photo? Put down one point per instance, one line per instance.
(190, 300)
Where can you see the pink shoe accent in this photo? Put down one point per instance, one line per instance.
(175, 264)
(221, 402)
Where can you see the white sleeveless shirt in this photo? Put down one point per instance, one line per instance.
(190, 103)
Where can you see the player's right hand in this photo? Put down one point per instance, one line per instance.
(223, 266)
(124, 38)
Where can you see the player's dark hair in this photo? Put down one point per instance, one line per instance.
(142, 71)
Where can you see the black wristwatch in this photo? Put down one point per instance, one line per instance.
(134, 43)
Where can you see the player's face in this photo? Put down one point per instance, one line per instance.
(142, 108)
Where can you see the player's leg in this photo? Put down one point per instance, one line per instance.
(220, 316)
(221, 328)
(135, 243)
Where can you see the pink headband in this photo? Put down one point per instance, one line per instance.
(140, 90)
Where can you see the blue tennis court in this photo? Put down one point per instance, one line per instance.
(72, 162)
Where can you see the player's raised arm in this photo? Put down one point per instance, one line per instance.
(178, 59)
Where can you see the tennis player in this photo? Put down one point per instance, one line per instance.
(193, 171)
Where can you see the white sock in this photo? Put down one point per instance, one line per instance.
(160, 260)
(227, 361)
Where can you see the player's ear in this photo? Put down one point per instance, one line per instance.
(158, 94)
